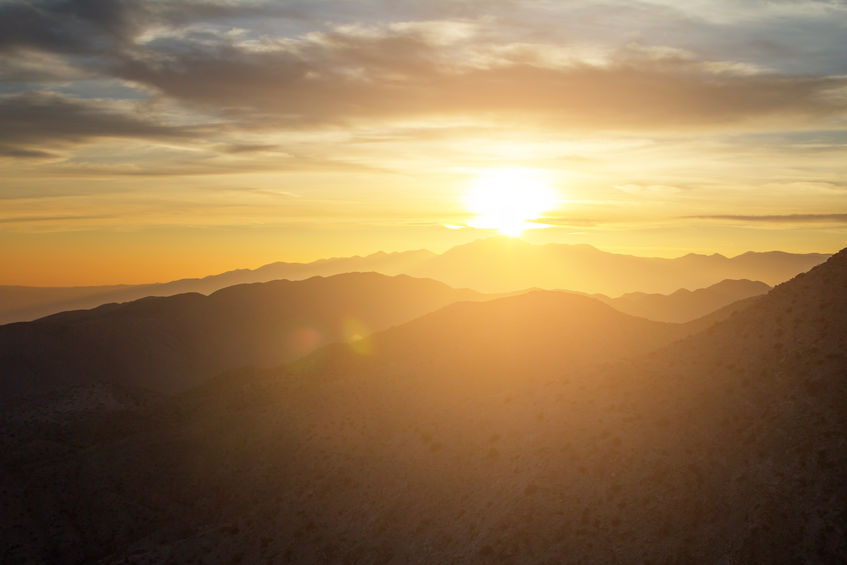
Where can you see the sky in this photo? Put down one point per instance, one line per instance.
(149, 141)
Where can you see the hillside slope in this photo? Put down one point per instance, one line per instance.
(685, 305)
(170, 344)
(541, 332)
(439, 444)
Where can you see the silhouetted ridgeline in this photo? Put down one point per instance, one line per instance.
(686, 305)
(20, 303)
(539, 332)
(503, 264)
(170, 344)
(521, 430)
(489, 265)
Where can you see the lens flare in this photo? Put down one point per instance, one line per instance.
(357, 336)
(304, 340)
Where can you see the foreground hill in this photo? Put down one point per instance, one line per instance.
(480, 433)
(542, 332)
(489, 265)
(685, 305)
(169, 344)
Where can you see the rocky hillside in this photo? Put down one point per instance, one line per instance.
(725, 447)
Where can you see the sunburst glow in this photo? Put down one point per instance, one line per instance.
(509, 199)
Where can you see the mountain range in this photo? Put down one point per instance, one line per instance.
(23, 303)
(685, 305)
(487, 265)
(503, 264)
(168, 344)
(540, 427)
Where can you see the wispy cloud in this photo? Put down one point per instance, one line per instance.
(566, 221)
(783, 218)
(635, 188)
(38, 219)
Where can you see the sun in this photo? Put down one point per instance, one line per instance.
(508, 199)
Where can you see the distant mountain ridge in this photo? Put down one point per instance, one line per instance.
(22, 303)
(488, 265)
(686, 305)
(500, 265)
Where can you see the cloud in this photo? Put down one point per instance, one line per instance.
(338, 74)
(647, 189)
(236, 148)
(394, 72)
(35, 122)
(101, 26)
(785, 218)
(24, 153)
(39, 219)
(566, 221)
(74, 26)
(777, 219)
(334, 65)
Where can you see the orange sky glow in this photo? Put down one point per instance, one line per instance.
(155, 141)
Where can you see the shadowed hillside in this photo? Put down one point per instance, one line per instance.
(721, 314)
(169, 344)
(686, 305)
(480, 433)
